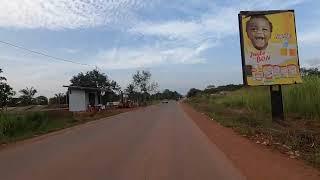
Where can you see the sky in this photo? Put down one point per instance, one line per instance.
(184, 44)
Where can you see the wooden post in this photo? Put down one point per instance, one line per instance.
(276, 103)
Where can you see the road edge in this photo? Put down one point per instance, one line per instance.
(272, 164)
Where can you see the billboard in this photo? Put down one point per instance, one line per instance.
(269, 48)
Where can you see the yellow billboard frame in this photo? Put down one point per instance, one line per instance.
(252, 80)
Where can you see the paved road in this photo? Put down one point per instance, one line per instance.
(156, 143)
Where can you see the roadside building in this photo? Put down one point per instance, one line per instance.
(83, 98)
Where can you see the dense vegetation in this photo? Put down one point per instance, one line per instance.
(6, 91)
(166, 94)
(211, 89)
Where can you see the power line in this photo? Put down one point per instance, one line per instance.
(43, 54)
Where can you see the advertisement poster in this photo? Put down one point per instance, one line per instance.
(269, 48)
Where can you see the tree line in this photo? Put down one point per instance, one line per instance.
(211, 89)
(28, 97)
(310, 72)
(167, 94)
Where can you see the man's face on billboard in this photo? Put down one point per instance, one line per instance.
(259, 32)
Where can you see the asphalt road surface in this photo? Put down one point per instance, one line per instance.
(155, 143)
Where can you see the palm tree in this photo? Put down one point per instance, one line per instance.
(27, 95)
(130, 90)
(60, 97)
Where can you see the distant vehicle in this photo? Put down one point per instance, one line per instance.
(165, 101)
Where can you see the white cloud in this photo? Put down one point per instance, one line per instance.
(212, 26)
(60, 14)
(273, 4)
(208, 27)
(220, 19)
(312, 63)
(70, 50)
(48, 76)
(146, 56)
(181, 41)
(186, 37)
(171, 29)
(45, 75)
(311, 37)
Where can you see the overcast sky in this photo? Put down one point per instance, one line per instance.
(183, 43)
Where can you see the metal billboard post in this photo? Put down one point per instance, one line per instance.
(276, 103)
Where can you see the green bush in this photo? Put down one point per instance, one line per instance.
(12, 125)
(22, 125)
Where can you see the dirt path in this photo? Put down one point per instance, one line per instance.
(155, 143)
(255, 162)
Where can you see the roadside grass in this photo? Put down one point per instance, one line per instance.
(300, 99)
(18, 126)
(248, 112)
(304, 99)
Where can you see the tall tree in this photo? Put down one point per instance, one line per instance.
(13, 101)
(167, 94)
(131, 91)
(6, 91)
(42, 100)
(27, 97)
(59, 98)
(210, 87)
(310, 72)
(94, 79)
(142, 82)
(193, 92)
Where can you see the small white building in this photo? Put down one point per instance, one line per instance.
(80, 98)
